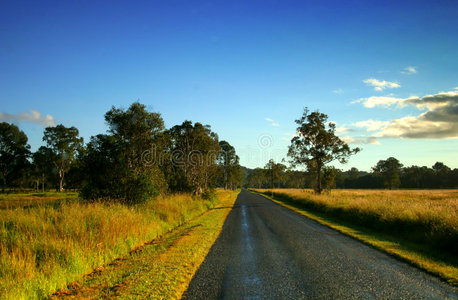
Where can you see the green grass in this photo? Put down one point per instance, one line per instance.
(419, 227)
(44, 247)
(161, 269)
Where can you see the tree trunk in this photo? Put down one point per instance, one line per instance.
(61, 181)
(43, 182)
(318, 183)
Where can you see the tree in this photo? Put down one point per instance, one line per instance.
(14, 152)
(64, 142)
(256, 179)
(390, 170)
(329, 177)
(274, 172)
(315, 146)
(124, 164)
(194, 150)
(42, 161)
(229, 162)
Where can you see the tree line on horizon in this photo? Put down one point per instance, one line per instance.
(138, 158)
(386, 174)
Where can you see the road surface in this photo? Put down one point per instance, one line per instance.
(266, 251)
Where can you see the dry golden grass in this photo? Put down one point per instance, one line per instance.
(161, 269)
(44, 247)
(439, 206)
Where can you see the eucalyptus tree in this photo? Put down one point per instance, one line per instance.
(316, 144)
(64, 143)
(229, 162)
(115, 163)
(194, 151)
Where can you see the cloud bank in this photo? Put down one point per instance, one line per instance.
(33, 116)
(439, 121)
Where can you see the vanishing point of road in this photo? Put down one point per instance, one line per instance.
(266, 251)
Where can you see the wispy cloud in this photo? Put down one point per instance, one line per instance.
(33, 116)
(338, 91)
(361, 140)
(380, 85)
(272, 122)
(439, 121)
(409, 70)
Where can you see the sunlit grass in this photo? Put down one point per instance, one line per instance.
(417, 225)
(17, 200)
(44, 247)
(161, 269)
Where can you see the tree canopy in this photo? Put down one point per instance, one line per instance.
(316, 144)
(14, 152)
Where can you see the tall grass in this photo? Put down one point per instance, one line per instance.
(44, 247)
(426, 217)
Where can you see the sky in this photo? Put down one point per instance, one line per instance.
(386, 72)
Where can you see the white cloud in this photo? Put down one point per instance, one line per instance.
(379, 101)
(409, 70)
(439, 121)
(361, 140)
(33, 116)
(272, 122)
(371, 125)
(338, 91)
(380, 85)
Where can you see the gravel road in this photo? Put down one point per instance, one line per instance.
(266, 251)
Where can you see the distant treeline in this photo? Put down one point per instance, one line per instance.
(136, 159)
(388, 174)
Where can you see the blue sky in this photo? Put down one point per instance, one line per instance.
(385, 71)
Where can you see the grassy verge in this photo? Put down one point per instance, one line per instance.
(32, 199)
(161, 269)
(44, 247)
(384, 225)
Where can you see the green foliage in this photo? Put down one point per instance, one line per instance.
(315, 146)
(64, 144)
(14, 152)
(194, 149)
(228, 160)
(114, 164)
(274, 172)
(329, 178)
(389, 170)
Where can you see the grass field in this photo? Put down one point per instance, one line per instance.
(43, 247)
(24, 200)
(161, 269)
(417, 225)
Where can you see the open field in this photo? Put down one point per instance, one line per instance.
(419, 226)
(44, 247)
